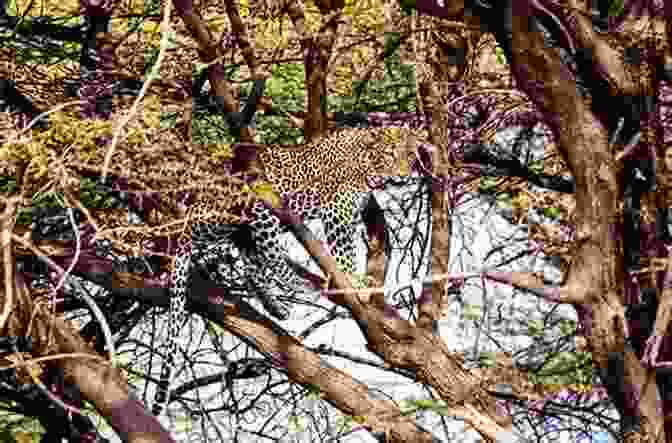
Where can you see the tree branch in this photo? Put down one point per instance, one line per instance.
(403, 345)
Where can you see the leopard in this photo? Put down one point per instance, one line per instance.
(327, 179)
(336, 163)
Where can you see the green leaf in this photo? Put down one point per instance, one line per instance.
(442, 411)
(151, 57)
(24, 216)
(344, 423)
(359, 280)
(472, 311)
(121, 360)
(488, 183)
(487, 359)
(535, 327)
(287, 81)
(167, 119)
(152, 7)
(499, 54)
(392, 43)
(616, 8)
(407, 6)
(552, 212)
(312, 391)
(215, 328)
(169, 40)
(504, 200)
(424, 403)
(411, 406)
(154, 74)
(12, 8)
(183, 423)
(567, 327)
(536, 166)
(295, 424)
(408, 407)
(6, 435)
(7, 184)
(47, 199)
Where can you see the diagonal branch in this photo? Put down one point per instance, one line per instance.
(405, 346)
(210, 53)
(101, 384)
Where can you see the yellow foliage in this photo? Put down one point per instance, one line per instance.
(151, 111)
(135, 137)
(272, 33)
(312, 17)
(150, 27)
(38, 166)
(244, 8)
(136, 7)
(403, 167)
(360, 56)
(65, 130)
(264, 191)
(343, 82)
(151, 34)
(56, 72)
(348, 8)
(100, 127)
(23, 437)
(54, 8)
(21, 151)
(521, 201)
(554, 388)
(218, 23)
(119, 25)
(220, 152)
(368, 16)
(359, 419)
(392, 136)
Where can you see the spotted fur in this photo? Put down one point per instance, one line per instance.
(325, 179)
(177, 315)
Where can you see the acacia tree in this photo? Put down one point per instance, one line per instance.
(596, 281)
(400, 343)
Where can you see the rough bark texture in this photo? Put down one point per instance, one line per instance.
(403, 345)
(105, 387)
(595, 278)
(594, 283)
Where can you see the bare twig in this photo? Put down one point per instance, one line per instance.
(8, 259)
(166, 30)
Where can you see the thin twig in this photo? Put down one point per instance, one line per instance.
(54, 357)
(69, 198)
(166, 29)
(7, 227)
(381, 289)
